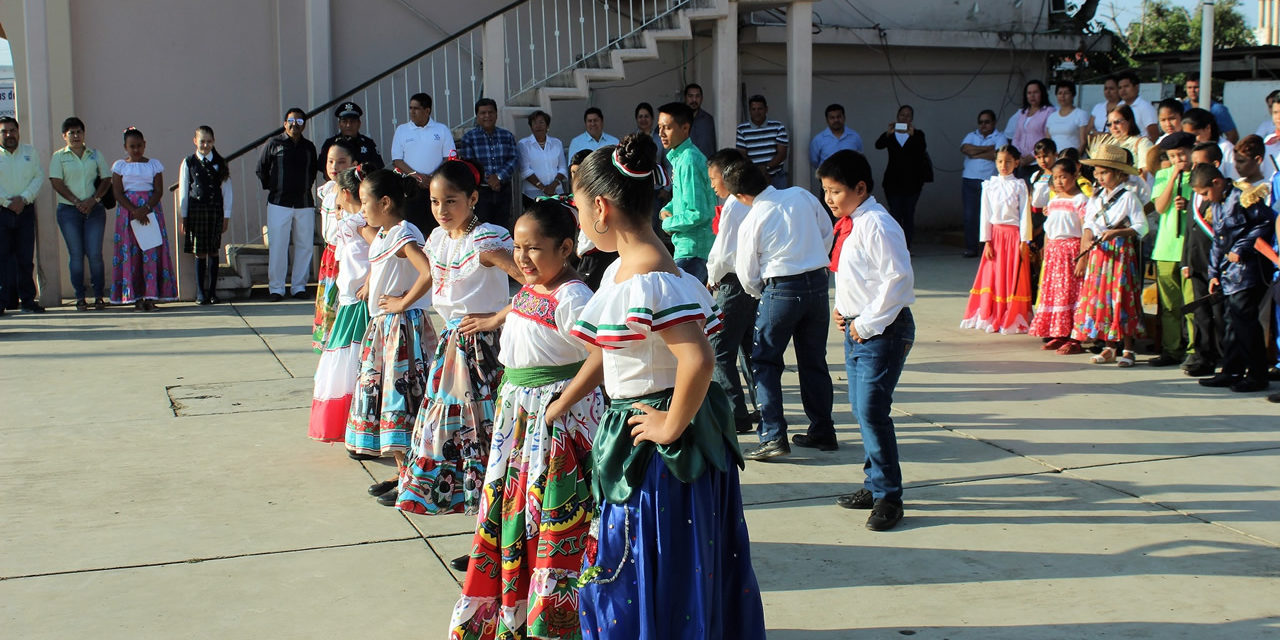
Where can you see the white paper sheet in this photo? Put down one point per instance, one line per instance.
(147, 235)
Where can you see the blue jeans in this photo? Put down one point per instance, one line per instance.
(793, 308)
(83, 236)
(971, 198)
(696, 267)
(734, 337)
(873, 368)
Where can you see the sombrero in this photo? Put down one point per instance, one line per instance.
(1111, 157)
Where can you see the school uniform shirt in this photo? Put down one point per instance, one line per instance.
(1235, 230)
(786, 233)
(585, 141)
(494, 151)
(875, 281)
(78, 173)
(422, 148)
(137, 176)
(184, 182)
(287, 170)
(20, 174)
(720, 262)
(1064, 216)
(546, 161)
(826, 143)
(538, 330)
(366, 150)
(1005, 200)
(390, 274)
(1169, 228)
(460, 284)
(693, 203)
(981, 168)
(1144, 114)
(1127, 207)
(761, 142)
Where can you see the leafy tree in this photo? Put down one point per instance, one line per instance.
(1166, 27)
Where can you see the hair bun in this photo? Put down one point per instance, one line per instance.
(638, 153)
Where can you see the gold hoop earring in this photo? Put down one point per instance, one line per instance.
(596, 225)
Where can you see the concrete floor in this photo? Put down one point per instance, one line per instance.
(1047, 497)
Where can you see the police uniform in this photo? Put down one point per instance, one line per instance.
(366, 149)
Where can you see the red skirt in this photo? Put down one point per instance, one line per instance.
(1059, 290)
(1000, 299)
(1110, 306)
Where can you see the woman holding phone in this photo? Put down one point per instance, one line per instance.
(908, 168)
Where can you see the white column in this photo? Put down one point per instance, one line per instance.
(725, 86)
(1206, 51)
(37, 131)
(319, 53)
(494, 60)
(800, 86)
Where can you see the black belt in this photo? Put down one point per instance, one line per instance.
(791, 278)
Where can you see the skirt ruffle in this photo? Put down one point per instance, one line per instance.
(337, 374)
(1110, 306)
(1000, 299)
(1059, 290)
(450, 443)
(535, 512)
(393, 380)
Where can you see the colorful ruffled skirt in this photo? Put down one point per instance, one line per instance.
(394, 357)
(450, 444)
(535, 512)
(1055, 314)
(672, 560)
(137, 274)
(1110, 306)
(337, 374)
(1000, 299)
(326, 299)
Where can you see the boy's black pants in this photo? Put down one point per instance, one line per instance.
(1243, 350)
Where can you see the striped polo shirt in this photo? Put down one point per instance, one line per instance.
(761, 143)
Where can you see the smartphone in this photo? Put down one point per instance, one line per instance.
(900, 127)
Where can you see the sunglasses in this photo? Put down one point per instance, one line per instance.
(297, 121)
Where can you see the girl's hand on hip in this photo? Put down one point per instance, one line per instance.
(651, 426)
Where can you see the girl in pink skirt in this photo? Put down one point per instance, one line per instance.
(1060, 276)
(140, 276)
(1000, 299)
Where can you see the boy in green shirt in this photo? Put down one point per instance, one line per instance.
(1171, 194)
(687, 218)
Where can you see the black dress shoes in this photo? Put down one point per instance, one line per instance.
(1221, 380)
(769, 450)
(1198, 369)
(1249, 385)
(275, 297)
(32, 307)
(383, 487)
(860, 499)
(885, 515)
(389, 498)
(460, 563)
(360, 456)
(803, 440)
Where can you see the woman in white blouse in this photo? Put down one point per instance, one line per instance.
(1069, 125)
(542, 163)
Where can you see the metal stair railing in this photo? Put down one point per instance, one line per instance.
(544, 41)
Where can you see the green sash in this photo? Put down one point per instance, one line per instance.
(539, 376)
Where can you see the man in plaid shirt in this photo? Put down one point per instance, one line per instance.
(494, 150)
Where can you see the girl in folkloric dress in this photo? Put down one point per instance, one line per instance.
(525, 560)
(140, 276)
(1059, 281)
(339, 367)
(1000, 299)
(395, 350)
(470, 265)
(670, 555)
(1110, 305)
(340, 157)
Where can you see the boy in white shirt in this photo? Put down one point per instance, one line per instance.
(874, 286)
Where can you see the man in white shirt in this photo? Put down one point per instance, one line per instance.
(979, 149)
(21, 177)
(418, 148)
(733, 342)
(783, 244)
(594, 137)
(874, 288)
(1143, 112)
(1110, 98)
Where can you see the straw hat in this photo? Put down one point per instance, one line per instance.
(1111, 157)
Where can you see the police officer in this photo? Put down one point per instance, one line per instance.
(349, 114)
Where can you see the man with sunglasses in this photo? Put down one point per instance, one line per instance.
(287, 170)
(979, 149)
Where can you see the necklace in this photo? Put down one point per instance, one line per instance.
(454, 245)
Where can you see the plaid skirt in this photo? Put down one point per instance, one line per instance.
(203, 229)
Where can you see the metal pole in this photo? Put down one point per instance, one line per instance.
(1206, 53)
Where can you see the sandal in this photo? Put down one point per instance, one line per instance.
(100, 304)
(1069, 348)
(1054, 343)
(1106, 356)
(1126, 358)
(82, 305)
